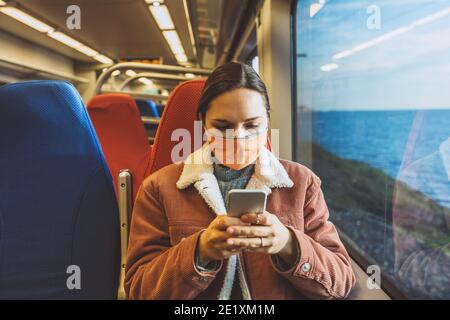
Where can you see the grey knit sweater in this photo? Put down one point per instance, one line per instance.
(229, 179)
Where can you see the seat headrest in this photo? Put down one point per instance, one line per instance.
(122, 135)
(180, 113)
(57, 201)
(117, 121)
(107, 100)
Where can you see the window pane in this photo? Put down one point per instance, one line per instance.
(373, 122)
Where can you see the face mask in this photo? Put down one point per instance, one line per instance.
(237, 153)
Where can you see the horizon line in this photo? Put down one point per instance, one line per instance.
(372, 110)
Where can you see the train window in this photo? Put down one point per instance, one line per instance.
(373, 121)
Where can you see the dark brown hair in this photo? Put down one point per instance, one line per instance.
(228, 77)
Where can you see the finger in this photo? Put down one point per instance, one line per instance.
(219, 236)
(251, 232)
(223, 222)
(265, 218)
(250, 242)
(222, 244)
(225, 246)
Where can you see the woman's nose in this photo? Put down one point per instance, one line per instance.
(241, 132)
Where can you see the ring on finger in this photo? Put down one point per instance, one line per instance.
(257, 219)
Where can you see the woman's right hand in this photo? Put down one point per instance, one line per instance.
(213, 244)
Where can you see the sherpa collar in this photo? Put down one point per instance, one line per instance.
(198, 170)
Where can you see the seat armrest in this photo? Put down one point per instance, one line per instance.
(125, 194)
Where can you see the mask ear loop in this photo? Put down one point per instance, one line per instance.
(268, 143)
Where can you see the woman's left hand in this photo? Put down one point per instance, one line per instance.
(266, 234)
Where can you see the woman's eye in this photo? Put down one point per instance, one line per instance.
(222, 128)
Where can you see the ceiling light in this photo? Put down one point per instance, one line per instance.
(172, 38)
(392, 34)
(75, 44)
(162, 17)
(103, 59)
(175, 45)
(191, 32)
(189, 75)
(65, 39)
(115, 73)
(155, 3)
(342, 54)
(25, 18)
(329, 67)
(181, 57)
(59, 36)
(177, 49)
(71, 42)
(130, 73)
(380, 39)
(431, 18)
(315, 8)
(87, 51)
(146, 81)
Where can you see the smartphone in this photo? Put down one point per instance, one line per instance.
(242, 201)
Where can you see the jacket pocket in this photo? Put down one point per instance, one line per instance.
(179, 232)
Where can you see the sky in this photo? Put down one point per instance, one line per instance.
(403, 64)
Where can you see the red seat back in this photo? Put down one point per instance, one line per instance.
(179, 113)
(122, 135)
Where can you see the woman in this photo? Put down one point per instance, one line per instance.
(184, 246)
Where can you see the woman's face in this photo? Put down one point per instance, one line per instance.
(240, 111)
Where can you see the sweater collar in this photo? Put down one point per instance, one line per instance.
(224, 173)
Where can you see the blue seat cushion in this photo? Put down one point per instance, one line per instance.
(57, 203)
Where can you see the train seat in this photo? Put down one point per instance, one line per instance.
(179, 113)
(148, 108)
(59, 218)
(122, 135)
(153, 108)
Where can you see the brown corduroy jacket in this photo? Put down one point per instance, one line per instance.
(177, 202)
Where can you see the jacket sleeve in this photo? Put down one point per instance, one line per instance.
(323, 269)
(155, 269)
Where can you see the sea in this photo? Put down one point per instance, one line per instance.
(387, 140)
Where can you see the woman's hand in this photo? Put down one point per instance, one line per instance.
(265, 234)
(213, 243)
